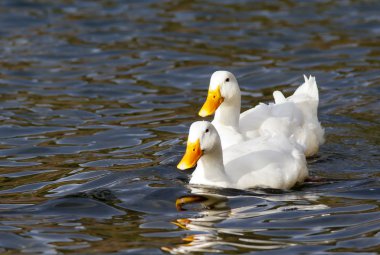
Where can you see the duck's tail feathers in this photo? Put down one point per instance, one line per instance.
(278, 97)
(308, 88)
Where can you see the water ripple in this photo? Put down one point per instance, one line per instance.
(96, 99)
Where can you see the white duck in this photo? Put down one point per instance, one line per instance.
(295, 116)
(270, 162)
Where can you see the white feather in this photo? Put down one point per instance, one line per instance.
(270, 162)
(294, 117)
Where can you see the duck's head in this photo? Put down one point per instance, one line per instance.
(222, 89)
(203, 139)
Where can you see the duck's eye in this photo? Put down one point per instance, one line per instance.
(228, 79)
(207, 130)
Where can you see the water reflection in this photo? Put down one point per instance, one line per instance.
(223, 220)
(266, 221)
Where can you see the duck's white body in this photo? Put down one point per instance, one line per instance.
(269, 162)
(294, 117)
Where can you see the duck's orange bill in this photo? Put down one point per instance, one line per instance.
(192, 155)
(213, 101)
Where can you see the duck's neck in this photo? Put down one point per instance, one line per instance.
(212, 167)
(228, 113)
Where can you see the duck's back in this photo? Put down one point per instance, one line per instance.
(272, 162)
(295, 116)
(271, 119)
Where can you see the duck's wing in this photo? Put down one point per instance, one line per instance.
(265, 162)
(251, 120)
(271, 119)
(295, 116)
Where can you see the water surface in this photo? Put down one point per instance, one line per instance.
(97, 97)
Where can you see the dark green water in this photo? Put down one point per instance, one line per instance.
(97, 96)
